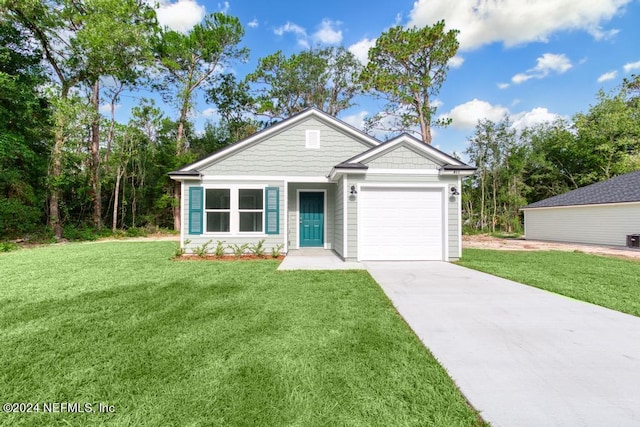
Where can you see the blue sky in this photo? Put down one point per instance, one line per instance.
(535, 60)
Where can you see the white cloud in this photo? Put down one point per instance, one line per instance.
(360, 49)
(466, 116)
(607, 76)
(535, 116)
(631, 66)
(514, 22)
(180, 16)
(456, 61)
(356, 120)
(297, 30)
(209, 113)
(223, 7)
(253, 24)
(600, 34)
(328, 32)
(437, 103)
(503, 85)
(106, 108)
(546, 64)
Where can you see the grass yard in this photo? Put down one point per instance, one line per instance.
(209, 343)
(605, 281)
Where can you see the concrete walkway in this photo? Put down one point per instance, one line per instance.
(521, 356)
(316, 259)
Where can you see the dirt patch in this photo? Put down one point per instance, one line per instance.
(482, 241)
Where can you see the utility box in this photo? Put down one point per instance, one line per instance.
(633, 240)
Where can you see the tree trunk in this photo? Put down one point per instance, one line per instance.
(116, 194)
(95, 158)
(176, 206)
(55, 173)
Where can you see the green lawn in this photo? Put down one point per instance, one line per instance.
(209, 343)
(609, 282)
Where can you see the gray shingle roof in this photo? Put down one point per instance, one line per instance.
(620, 189)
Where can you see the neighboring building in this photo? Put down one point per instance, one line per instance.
(604, 213)
(314, 181)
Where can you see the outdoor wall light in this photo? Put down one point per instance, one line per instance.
(454, 191)
(353, 190)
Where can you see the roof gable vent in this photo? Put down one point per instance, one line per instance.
(312, 139)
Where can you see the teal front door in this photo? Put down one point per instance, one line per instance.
(311, 218)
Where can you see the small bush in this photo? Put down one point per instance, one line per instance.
(8, 246)
(258, 249)
(202, 250)
(238, 250)
(135, 232)
(275, 251)
(219, 251)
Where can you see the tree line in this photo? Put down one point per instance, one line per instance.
(521, 166)
(66, 163)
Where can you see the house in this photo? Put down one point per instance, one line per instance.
(314, 181)
(604, 213)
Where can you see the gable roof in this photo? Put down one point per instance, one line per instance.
(305, 114)
(620, 189)
(411, 141)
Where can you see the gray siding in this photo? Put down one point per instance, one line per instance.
(338, 223)
(271, 240)
(293, 236)
(601, 225)
(453, 225)
(285, 153)
(401, 157)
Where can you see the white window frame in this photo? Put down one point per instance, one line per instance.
(234, 211)
(312, 139)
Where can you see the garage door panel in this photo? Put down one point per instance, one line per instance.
(400, 224)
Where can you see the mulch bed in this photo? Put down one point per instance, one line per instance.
(192, 257)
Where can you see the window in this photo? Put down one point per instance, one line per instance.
(218, 209)
(312, 139)
(250, 208)
(234, 210)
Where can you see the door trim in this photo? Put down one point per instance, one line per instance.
(324, 220)
(442, 187)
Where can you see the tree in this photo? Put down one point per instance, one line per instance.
(325, 78)
(83, 40)
(407, 67)
(24, 133)
(191, 60)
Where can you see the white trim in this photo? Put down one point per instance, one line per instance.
(234, 210)
(286, 217)
(582, 206)
(404, 139)
(345, 213)
(459, 217)
(274, 178)
(181, 208)
(457, 172)
(325, 244)
(281, 126)
(444, 216)
(312, 139)
(403, 171)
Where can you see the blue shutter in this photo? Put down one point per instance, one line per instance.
(272, 210)
(195, 210)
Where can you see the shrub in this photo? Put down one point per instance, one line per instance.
(8, 246)
(275, 251)
(202, 250)
(219, 251)
(258, 248)
(135, 232)
(238, 250)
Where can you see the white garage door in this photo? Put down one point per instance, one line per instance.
(400, 224)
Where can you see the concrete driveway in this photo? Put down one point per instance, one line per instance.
(521, 356)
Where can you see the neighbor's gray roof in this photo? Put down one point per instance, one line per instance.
(621, 189)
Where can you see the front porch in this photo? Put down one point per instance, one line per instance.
(316, 259)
